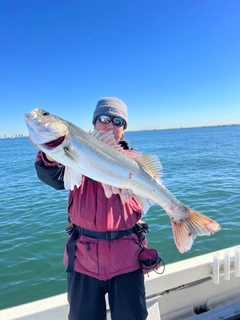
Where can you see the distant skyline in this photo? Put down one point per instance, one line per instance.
(19, 135)
(174, 63)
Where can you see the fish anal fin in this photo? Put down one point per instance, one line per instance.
(196, 224)
(144, 203)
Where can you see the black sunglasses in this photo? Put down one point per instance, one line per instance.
(116, 121)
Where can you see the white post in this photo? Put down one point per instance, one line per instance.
(227, 265)
(216, 268)
(237, 262)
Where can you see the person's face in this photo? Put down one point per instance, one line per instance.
(105, 127)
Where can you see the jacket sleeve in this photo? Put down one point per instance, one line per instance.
(48, 172)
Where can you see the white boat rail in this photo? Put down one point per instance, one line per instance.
(203, 287)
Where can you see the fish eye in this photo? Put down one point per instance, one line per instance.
(46, 113)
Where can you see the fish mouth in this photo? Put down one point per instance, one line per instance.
(54, 143)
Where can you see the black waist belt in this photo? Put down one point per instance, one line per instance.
(78, 231)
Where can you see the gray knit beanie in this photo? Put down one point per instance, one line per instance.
(112, 107)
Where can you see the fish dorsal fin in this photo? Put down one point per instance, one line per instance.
(151, 164)
(108, 138)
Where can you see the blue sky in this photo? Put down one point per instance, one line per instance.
(175, 63)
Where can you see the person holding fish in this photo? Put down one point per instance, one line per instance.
(110, 186)
(102, 253)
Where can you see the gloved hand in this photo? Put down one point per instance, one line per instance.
(125, 194)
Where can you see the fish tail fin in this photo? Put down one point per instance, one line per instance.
(196, 224)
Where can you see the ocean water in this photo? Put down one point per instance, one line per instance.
(201, 167)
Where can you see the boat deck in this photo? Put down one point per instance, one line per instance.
(205, 287)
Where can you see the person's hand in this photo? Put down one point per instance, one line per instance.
(125, 194)
(49, 158)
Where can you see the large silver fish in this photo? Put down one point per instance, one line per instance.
(98, 157)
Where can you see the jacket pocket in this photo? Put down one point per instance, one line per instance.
(86, 254)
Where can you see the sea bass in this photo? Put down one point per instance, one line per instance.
(98, 156)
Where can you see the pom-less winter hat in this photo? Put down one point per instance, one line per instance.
(112, 107)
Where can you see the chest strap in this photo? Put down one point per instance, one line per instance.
(78, 231)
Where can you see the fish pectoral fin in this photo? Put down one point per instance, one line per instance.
(68, 154)
(151, 164)
(185, 231)
(71, 178)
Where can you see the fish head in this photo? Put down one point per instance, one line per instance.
(46, 129)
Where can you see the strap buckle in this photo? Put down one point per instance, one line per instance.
(111, 235)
